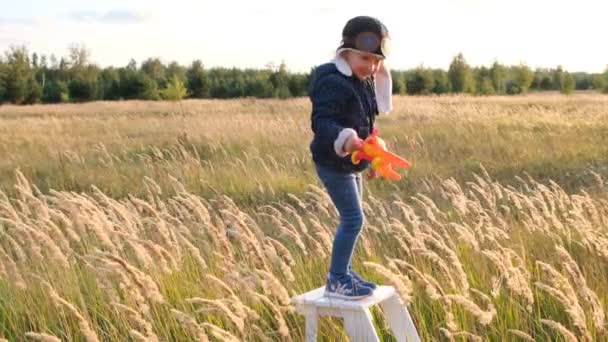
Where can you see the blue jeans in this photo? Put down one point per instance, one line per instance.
(346, 192)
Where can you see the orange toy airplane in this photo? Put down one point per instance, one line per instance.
(382, 161)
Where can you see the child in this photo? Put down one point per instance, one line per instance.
(346, 95)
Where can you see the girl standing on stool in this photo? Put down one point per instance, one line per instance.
(346, 95)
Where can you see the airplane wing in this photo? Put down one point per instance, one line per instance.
(395, 159)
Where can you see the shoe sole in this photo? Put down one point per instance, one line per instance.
(373, 288)
(339, 296)
(366, 284)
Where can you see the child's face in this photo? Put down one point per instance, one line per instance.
(363, 64)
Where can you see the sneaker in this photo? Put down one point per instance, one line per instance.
(346, 287)
(362, 281)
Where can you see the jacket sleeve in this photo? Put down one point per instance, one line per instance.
(329, 99)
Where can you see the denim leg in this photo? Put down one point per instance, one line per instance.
(344, 193)
(359, 182)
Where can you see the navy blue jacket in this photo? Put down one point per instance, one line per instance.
(338, 102)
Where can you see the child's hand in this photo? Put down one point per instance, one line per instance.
(353, 143)
(371, 174)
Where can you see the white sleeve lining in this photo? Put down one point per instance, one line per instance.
(344, 135)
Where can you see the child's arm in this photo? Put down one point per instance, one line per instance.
(329, 99)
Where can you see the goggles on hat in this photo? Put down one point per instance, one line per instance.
(370, 42)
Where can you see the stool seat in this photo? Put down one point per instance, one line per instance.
(358, 321)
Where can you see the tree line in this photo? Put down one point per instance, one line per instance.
(28, 78)
(498, 79)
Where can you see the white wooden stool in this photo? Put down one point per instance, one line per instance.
(357, 317)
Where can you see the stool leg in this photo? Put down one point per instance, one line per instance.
(399, 320)
(311, 324)
(360, 326)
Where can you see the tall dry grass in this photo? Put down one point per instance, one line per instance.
(484, 253)
(256, 151)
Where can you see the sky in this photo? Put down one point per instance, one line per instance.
(251, 34)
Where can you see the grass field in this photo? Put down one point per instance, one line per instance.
(198, 220)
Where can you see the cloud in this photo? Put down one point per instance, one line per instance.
(280, 10)
(110, 17)
(28, 23)
(20, 21)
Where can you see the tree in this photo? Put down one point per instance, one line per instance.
(399, 83)
(155, 69)
(557, 77)
(33, 92)
(132, 66)
(259, 87)
(2, 82)
(43, 62)
(459, 73)
(84, 81)
(599, 82)
(498, 74)
(17, 74)
(485, 87)
(174, 69)
(79, 56)
(538, 74)
(236, 85)
(567, 83)
(523, 78)
(54, 61)
(64, 65)
(175, 90)
(546, 83)
(55, 92)
(280, 81)
(605, 77)
(82, 90)
(583, 81)
(199, 85)
(31, 78)
(442, 82)
(109, 88)
(137, 85)
(421, 82)
(34, 60)
(219, 85)
(483, 81)
(297, 84)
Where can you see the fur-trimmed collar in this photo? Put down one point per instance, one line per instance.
(383, 84)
